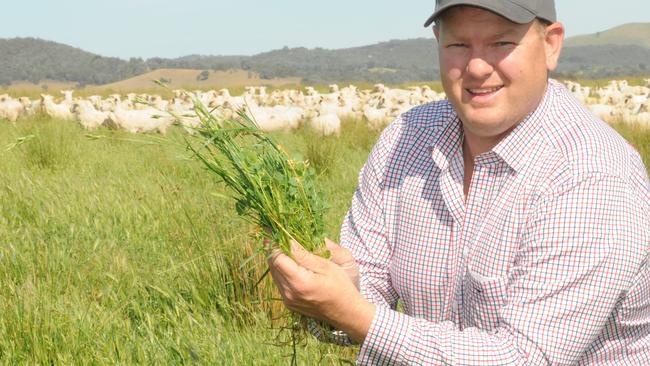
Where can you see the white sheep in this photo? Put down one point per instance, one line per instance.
(376, 118)
(30, 107)
(54, 110)
(141, 120)
(88, 116)
(605, 112)
(10, 109)
(327, 124)
(67, 97)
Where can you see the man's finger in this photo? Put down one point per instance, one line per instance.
(331, 245)
(308, 260)
(339, 255)
(287, 267)
(344, 259)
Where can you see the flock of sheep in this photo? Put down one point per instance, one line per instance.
(287, 109)
(617, 101)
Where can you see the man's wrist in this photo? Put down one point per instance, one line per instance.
(356, 322)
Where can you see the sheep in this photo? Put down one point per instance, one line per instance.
(67, 94)
(376, 118)
(603, 111)
(310, 91)
(61, 111)
(10, 109)
(327, 124)
(291, 115)
(267, 118)
(96, 100)
(145, 120)
(158, 102)
(88, 116)
(641, 114)
(29, 107)
(286, 109)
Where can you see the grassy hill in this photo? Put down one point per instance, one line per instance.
(33, 60)
(190, 78)
(633, 34)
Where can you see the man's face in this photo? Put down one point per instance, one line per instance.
(493, 71)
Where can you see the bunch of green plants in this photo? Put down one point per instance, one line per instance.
(272, 190)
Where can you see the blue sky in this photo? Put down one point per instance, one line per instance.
(173, 28)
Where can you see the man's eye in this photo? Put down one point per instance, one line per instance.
(504, 43)
(455, 45)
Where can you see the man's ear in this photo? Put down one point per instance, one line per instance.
(436, 32)
(553, 40)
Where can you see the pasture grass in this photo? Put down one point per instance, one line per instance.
(638, 136)
(118, 249)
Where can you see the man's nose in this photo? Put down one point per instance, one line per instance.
(479, 66)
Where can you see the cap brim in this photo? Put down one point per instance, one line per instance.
(430, 21)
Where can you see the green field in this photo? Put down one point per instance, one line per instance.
(117, 249)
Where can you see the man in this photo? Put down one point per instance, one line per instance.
(511, 223)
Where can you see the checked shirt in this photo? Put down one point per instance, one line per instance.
(545, 263)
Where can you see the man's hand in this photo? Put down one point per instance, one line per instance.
(323, 289)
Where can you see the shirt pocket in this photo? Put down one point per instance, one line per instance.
(483, 298)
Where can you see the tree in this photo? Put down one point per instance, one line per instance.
(203, 75)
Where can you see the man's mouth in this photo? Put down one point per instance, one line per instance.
(483, 91)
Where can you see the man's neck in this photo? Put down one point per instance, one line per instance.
(474, 146)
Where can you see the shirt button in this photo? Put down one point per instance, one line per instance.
(465, 251)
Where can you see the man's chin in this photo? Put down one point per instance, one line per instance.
(486, 126)
(482, 120)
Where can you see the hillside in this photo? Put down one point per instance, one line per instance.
(633, 34)
(608, 61)
(192, 78)
(620, 51)
(33, 60)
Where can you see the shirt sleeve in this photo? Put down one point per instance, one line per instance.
(364, 229)
(579, 254)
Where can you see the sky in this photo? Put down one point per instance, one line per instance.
(174, 28)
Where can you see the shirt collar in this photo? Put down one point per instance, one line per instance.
(512, 149)
(448, 141)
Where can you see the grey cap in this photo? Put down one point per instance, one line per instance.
(517, 11)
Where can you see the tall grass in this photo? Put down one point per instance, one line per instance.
(638, 136)
(113, 251)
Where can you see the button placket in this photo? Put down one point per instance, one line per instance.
(473, 213)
